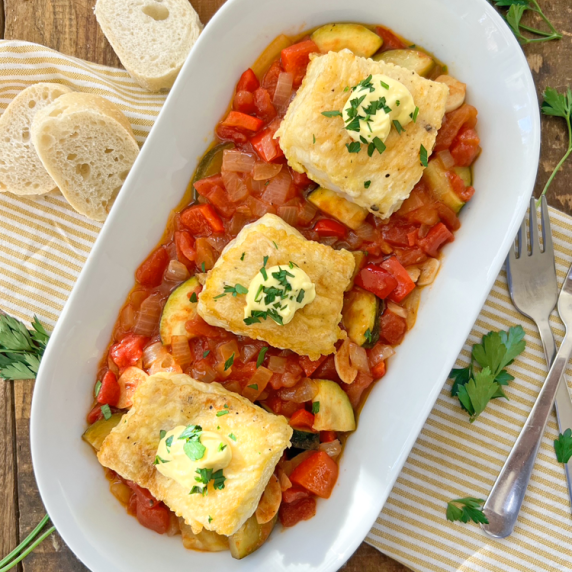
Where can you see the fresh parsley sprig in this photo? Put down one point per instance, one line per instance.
(516, 10)
(563, 446)
(21, 349)
(474, 388)
(465, 510)
(558, 104)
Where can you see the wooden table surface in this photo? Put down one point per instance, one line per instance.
(70, 27)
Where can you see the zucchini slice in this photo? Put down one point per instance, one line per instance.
(305, 440)
(436, 178)
(250, 537)
(465, 174)
(360, 316)
(355, 37)
(349, 213)
(413, 60)
(335, 412)
(177, 311)
(95, 434)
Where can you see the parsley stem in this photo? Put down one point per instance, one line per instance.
(539, 11)
(538, 32)
(557, 168)
(6, 563)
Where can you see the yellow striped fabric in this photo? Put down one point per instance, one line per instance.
(44, 244)
(453, 458)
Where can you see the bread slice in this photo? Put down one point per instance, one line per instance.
(151, 37)
(21, 171)
(86, 144)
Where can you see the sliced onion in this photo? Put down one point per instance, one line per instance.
(260, 380)
(171, 249)
(397, 310)
(264, 171)
(153, 352)
(288, 215)
(278, 189)
(413, 272)
(247, 352)
(128, 317)
(333, 448)
(237, 222)
(136, 298)
(166, 363)
(148, 316)
(345, 369)
(217, 242)
(277, 364)
(181, 351)
(290, 379)
(429, 271)
(176, 272)
(358, 358)
(285, 482)
(307, 212)
(353, 240)
(367, 232)
(203, 372)
(237, 161)
(329, 240)
(258, 208)
(380, 352)
(446, 158)
(411, 303)
(283, 90)
(303, 392)
(227, 350)
(234, 185)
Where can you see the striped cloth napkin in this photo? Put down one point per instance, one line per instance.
(44, 244)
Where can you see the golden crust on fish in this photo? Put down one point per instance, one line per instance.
(315, 328)
(394, 173)
(165, 401)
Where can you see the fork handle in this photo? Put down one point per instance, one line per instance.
(563, 403)
(504, 501)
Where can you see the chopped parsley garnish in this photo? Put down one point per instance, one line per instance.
(203, 267)
(193, 447)
(300, 296)
(199, 490)
(234, 290)
(378, 144)
(106, 411)
(397, 103)
(563, 446)
(242, 257)
(97, 388)
(231, 435)
(206, 353)
(314, 139)
(423, 156)
(465, 510)
(193, 298)
(169, 442)
(354, 147)
(275, 245)
(195, 450)
(218, 480)
(365, 84)
(315, 407)
(159, 461)
(205, 476)
(414, 115)
(221, 446)
(190, 432)
(292, 264)
(221, 413)
(368, 336)
(264, 273)
(253, 386)
(384, 85)
(261, 356)
(210, 518)
(162, 434)
(331, 113)
(354, 125)
(398, 126)
(264, 261)
(228, 363)
(366, 184)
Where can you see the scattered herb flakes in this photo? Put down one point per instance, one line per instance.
(563, 446)
(253, 386)
(332, 113)
(414, 115)
(162, 434)
(194, 449)
(228, 363)
(354, 147)
(366, 184)
(315, 407)
(300, 296)
(221, 446)
(193, 298)
(169, 442)
(314, 139)
(275, 245)
(222, 412)
(105, 409)
(423, 156)
(261, 356)
(231, 435)
(242, 257)
(384, 85)
(159, 461)
(397, 103)
(368, 336)
(264, 273)
(379, 145)
(398, 126)
(206, 353)
(218, 480)
(465, 510)
(210, 518)
(97, 388)
(347, 88)
(190, 432)
(203, 267)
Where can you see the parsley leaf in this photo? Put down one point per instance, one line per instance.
(497, 350)
(162, 434)
(105, 409)
(261, 356)
(354, 147)
(218, 480)
(159, 461)
(368, 336)
(398, 126)
(366, 184)
(242, 256)
(195, 450)
(221, 413)
(423, 156)
(315, 407)
(477, 392)
(253, 386)
(97, 388)
(206, 353)
(563, 446)
(414, 115)
(231, 435)
(466, 509)
(332, 113)
(193, 298)
(228, 363)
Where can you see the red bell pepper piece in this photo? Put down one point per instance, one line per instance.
(466, 147)
(248, 81)
(129, 350)
(243, 121)
(318, 473)
(295, 493)
(185, 244)
(390, 40)
(265, 145)
(378, 371)
(94, 415)
(292, 513)
(150, 512)
(327, 227)
(376, 280)
(150, 273)
(244, 102)
(328, 436)
(302, 419)
(436, 237)
(295, 59)
(202, 220)
(392, 328)
(109, 391)
(263, 105)
(404, 283)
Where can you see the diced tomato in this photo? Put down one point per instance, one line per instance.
(150, 512)
(404, 283)
(295, 59)
(310, 366)
(248, 81)
(327, 370)
(243, 372)
(185, 244)
(437, 236)
(424, 215)
(270, 78)
(327, 227)
(467, 194)
(263, 105)
(378, 371)
(356, 389)
(275, 403)
(244, 102)
(409, 256)
(265, 145)
(397, 233)
(205, 186)
(318, 473)
(242, 121)
(328, 436)
(128, 351)
(201, 220)
(221, 201)
(227, 133)
(376, 280)
(392, 328)
(390, 40)
(150, 273)
(198, 327)
(465, 116)
(292, 513)
(300, 179)
(466, 147)
(457, 184)
(295, 493)
(94, 415)
(448, 217)
(302, 419)
(109, 391)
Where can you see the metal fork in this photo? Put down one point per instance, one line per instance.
(534, 291)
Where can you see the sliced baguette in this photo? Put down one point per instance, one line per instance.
(86, 144)
(152, 38)
(21, 171)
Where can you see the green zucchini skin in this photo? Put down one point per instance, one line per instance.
(305, 440)
(360, 314)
